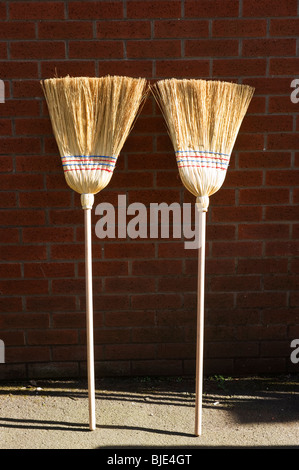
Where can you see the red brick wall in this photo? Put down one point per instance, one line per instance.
(144, 290)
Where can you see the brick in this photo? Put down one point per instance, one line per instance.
(21, 182)
(40, 11)
(33, 320)
(262, 265)
(95, 10)
(3, 11)
(281, 282)
(180, 28)
(69, 251)
(263, 231)
(125, 250)
(207, 9)
(130, 318)
(22, 217)
(68, 320)
(282, 248)
(264, 196)
(130, 351)
(130, 284)
(21, 145)
(284, 66)
(109, 302)
(23, 287)
(73, 286)
(257, 104)
(5, 127)
(147, 197)
(285, 212)
(38, 337)
(186, 68)
(32, 126)
(105, 268)
(282, 141)
(131, 68)
(239, 28)
(237, 248)
(10, 304)
(126, 29)
(17, 69)
(6, 164)
(282, 177)
(281, 104)
(230, 214)
(266, 8)
(268, 47)
(154, 9)
(284, 27)
(157, 267)
(24, 107)
(34, 163)
(10, 270)
(211, 48)
(25, 88)
(153, 49)
(283, 123)
(28, 252)
(50, 303)
(8, 199)
(38, 50)
(177, 284)
(270, 85)
(28, 354)
(264, 159)
(48, 270)
(74, 68)
(261, 299)
(9, 235)
(239, 67)
(98, 49)
(249, 141)
(65, 29)
(239, 179)
(45, 199)
(156, 301)
(47, 234)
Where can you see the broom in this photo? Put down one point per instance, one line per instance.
(203, 119)
(91, 119)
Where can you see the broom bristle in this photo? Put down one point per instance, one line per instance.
(91, 119)
(203, 119)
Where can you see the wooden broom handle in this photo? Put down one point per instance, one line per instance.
(89, 317)
(200, 323)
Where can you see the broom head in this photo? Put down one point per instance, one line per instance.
(91, 119)
(203, 119)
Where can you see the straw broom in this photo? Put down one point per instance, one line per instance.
(91, 119)
(203, 119)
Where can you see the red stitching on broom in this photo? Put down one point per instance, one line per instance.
(214, 157)
(81, 169)
(202, 166)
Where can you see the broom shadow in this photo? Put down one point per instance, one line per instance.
(77, 427)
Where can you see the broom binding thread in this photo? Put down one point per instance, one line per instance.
(87, 201)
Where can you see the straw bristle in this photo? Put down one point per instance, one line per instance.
(91, 119)
(203, 119)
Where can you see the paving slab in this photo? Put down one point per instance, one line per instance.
(151, 413)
